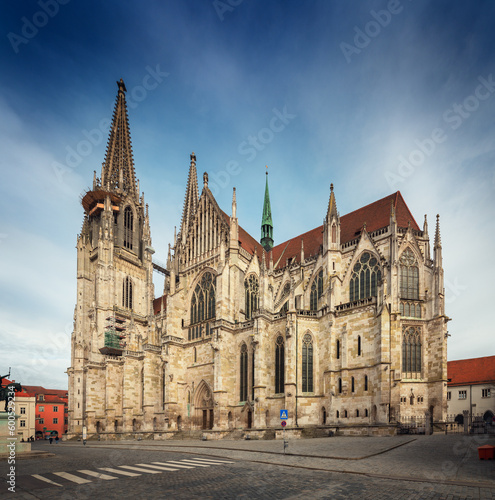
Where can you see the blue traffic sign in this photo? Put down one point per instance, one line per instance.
(284, 414)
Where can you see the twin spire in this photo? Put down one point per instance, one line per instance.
(191, 199)
(117, 171)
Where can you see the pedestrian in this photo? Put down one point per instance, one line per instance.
(56, 440)
(51, 440)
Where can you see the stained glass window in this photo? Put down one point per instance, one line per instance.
(202, 307)
(411, 351)
(279, 365)
(243, 373)
(409, 276)
(251, 286)
(366, 275)
(307, 364)
(316, 291)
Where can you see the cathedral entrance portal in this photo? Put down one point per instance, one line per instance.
(203, 404)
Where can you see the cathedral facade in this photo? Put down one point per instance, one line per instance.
(343, 325)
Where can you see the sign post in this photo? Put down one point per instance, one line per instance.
(284, 415)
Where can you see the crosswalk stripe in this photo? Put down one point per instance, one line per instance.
(175, 465)
(192, 462)
(182, 462)
(37, 476)
(130, 467)
(71, 477)
(213, 461)
(123, 472)
(157, 467)
(99, 475)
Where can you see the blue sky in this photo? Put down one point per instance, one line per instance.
(374, 96)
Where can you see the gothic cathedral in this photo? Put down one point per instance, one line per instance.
(342, 326)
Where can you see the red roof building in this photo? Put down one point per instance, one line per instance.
(51, 410)
(471, 387)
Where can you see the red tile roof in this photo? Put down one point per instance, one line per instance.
(376, 216)
(157, 304)
(471, 371)
(246, 240)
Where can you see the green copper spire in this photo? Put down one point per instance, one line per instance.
(266, 221)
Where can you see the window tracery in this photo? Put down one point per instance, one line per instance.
(251, 286)
(202, 307)
(316, 291)
(366, 274)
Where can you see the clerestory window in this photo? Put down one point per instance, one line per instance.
(316, 291)
(409, 276)
(252, 294)
(366, 275)
(202, 308)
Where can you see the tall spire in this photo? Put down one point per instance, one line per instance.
(191, 199)
(117, 172)
(266, 220)
(332, 205)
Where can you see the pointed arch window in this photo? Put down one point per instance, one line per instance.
(307, 363)
(411, 352)
(251, 287)
(128, 227)
(366, 274)
(127, 293)
(202, 307)
(316, 291)
(243, 373)
(279, 365)
(409, 275)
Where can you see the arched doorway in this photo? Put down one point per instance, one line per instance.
(249, 419)
(230, 420)
(203, 405)
(134, 425)
(179, 423)
(98, 427)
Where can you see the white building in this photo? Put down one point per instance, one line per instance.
(471, 387)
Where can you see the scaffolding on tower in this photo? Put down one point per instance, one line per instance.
(115, 334)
